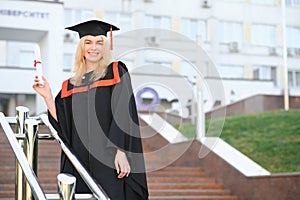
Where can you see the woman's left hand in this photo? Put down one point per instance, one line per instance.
(122, 164)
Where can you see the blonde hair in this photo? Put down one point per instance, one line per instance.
(80, 66)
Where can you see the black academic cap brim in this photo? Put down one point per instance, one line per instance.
(93, 27)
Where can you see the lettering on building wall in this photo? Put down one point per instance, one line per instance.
(26, 13)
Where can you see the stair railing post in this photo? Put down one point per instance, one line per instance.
(22, 115)
(66, 186)
(31, 143)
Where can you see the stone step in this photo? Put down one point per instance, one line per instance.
(179, 172)
(180, 169)
(180, 180)
(197, 197)
(184, 185)
(188, 192)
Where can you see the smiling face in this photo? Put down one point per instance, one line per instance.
(93, 49)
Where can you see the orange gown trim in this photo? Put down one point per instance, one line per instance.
(65, 92)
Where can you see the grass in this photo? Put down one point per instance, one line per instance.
(187, 129)
(272, 139)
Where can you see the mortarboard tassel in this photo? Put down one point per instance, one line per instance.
(111, 39)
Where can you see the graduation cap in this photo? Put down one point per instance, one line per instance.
(94, 28)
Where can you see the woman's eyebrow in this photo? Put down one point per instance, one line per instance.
(88, 40)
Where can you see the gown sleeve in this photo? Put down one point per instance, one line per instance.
(53, 121)
(125, 132)
(61, 125)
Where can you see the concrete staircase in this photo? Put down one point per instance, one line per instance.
(171, 182)
(48, 168)
(185, 183)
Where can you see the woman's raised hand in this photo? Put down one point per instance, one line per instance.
(44, 91)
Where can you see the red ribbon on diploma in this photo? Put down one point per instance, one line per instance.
(36, 62)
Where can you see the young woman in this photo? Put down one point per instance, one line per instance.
(95, 114)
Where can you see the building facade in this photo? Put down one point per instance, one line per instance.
(241, 40)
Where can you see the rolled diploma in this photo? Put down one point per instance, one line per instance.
(38, 65)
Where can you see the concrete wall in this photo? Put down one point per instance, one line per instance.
(255, 104)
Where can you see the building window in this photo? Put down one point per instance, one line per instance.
(293, 37)
(194, 29)
(125, 22)
(26, 58)
(264, 35)
(165, 67)
(20, 54)
(68, 17)
(294, 78)
(292, 2)
(189, 70)
(68, 61)
(297, 76)
(162, 22)
(290, 79)
(231, 71)
(161, 63)
(265, 2)
(274, 75)
(230, 32)
(265, 73)
(121, 20)
(73, 16)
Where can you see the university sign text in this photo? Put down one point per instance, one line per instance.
(24, 13)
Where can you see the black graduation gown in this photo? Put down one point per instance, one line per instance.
(95, 119)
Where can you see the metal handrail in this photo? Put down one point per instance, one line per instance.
(13, 120)
(76, 197)
(27, 170)
(97, 190)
